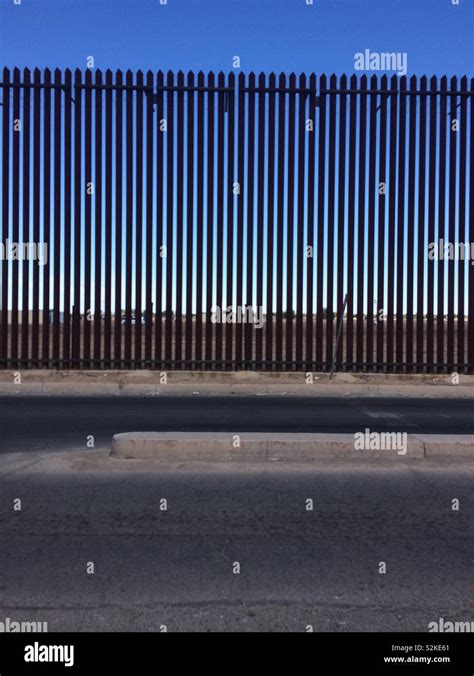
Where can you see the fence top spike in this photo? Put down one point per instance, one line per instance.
(129, 73)
(200, 73)
(170, 72)
(464, 79)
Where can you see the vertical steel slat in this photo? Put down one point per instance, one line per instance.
(452, 223)
(410, 226)
(58, 97)
(210, 268)
(369, 268)
(471, 233)
(290, 224)
(149, 220)
(46, 214)
(400, 228)
(129, 221)
(139, 219)
(161, 220)
(381, 225)
(230, 216)
(15, 229)
(351, 225)
(431, 222)
(391, 222)
(68, 214)
(461, 353)
(188, 262)
(76, 317)
(441, 227)
(108, 223)
(420, 262)
(169, 219)
(300, 196)
(27, 229)
(270, 224)
(309, 354)
(180, 254)
(331, 223)
(250, 191)
(244, 195)
(361, 227)
(118, 356)
(89, 197)
(260, 197)
(280, 217)
(4, 351)
(321, 224)
(98, 223)
(341, 202)
(202, 227)
(220, 217)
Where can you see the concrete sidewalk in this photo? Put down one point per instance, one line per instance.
(175, 383)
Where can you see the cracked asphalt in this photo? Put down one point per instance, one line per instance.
(237, 547)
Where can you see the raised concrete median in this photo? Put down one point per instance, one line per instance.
(243, 383)
(260, 446)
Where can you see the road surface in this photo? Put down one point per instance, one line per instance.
(177, 568)
(42, 423)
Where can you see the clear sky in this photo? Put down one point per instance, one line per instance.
(268, 35)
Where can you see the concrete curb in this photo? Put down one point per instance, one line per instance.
(260, 446)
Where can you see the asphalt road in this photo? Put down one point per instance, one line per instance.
(177, 568)
(54, 423)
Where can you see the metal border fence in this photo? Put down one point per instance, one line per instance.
(308, 202)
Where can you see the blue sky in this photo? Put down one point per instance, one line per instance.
(268, 35)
